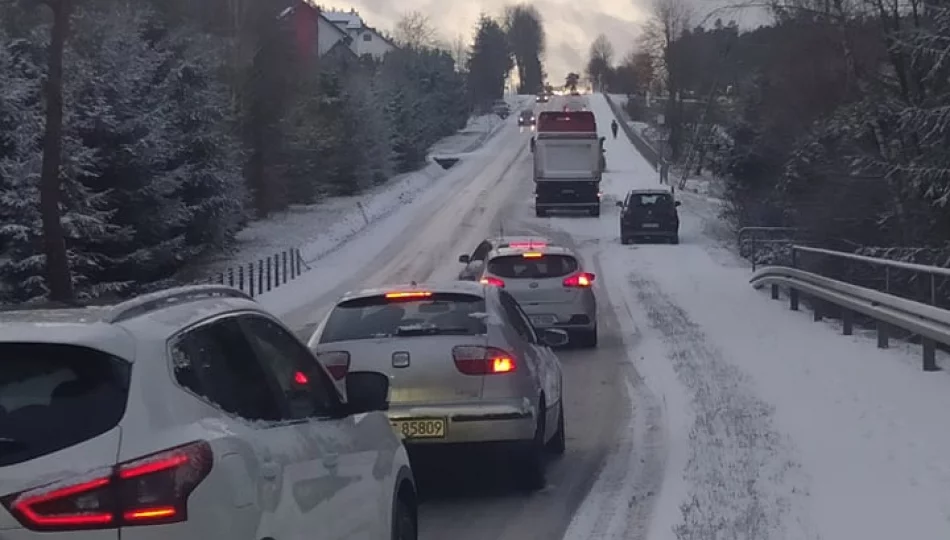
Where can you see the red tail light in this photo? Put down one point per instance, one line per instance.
(336, 362)
(583, 279)
(478, 360)
(493, 281)
(149, 491)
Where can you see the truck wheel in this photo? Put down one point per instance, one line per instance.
(540, 212)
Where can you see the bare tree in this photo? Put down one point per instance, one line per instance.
(671, 19)
(599, 61)
(415, 31)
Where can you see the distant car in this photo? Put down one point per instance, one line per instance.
(501, 108)
(189, 413)
(541, 98)
(466, 366)
(551, 285)
(526, 118)
(474, 262)
(649, 214)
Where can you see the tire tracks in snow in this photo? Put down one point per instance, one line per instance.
(742, 482)
(620, 501)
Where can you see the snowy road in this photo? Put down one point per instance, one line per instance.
(707, 412)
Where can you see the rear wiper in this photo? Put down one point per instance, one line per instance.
(430, 330)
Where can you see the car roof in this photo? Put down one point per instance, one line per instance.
(650, 191)
(547, 250)
(113, 328)
(445, 287)
(499, 240)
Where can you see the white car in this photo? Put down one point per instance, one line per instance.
(467, 368)
(550, 284)
(191, 414)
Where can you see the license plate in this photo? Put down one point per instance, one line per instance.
(651, 225)
(420, 428)
(539, 320)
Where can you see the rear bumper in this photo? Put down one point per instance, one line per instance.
(575, 316)
(631, 232)
(478, 422)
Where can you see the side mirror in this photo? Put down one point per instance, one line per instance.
(464, 259)
(619, 204)
(554, 337)
(677, 203)
(366, 391)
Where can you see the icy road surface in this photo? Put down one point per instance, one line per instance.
(708, 411)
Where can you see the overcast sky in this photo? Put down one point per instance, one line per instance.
(571, 25)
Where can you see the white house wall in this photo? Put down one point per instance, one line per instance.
(376, 46)
(327, 35)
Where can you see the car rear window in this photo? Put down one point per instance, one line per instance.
(547, 266)
(56, 396)
(379, 317)
(659, 199)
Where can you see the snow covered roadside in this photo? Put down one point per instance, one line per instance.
(320, 228)
(775, 427)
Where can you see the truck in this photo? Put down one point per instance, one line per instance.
(568, 162)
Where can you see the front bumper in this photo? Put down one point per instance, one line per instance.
(477, 422)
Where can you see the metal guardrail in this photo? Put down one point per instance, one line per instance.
(929, 322)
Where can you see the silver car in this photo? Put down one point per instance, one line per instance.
(476, 261)
(550, 283)
(465, 365)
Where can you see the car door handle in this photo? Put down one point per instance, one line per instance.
(331, 461)
(270, 470)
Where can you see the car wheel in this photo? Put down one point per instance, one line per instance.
(587, 339)
(404, 525)
(558, 444)
(531, 469)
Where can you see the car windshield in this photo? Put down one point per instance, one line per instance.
(379, 317)
(547, 266)
(651, 200)
(55, 396)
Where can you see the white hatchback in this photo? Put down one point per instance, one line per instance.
(191, 414)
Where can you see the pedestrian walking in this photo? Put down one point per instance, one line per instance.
(613, 128)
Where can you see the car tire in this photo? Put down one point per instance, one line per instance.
(558, 444)
(587, 339)
(404, 522)
(531, 468)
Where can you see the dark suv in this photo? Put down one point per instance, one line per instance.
(649, 214)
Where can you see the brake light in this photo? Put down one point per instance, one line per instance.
(336, 362)
(301, 378)
(408, 294)
(532, 255)
(583, 279)
(151, 490)
(479, 360)
(493, 281)
(528, 245)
